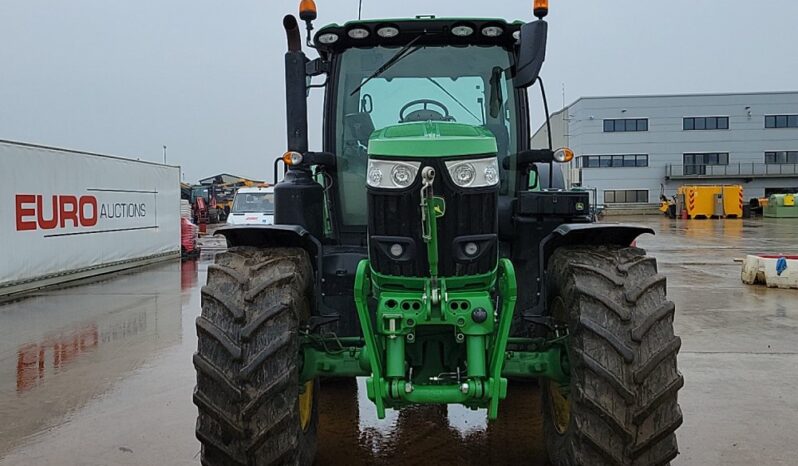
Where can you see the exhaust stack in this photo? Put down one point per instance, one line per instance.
(296, 106)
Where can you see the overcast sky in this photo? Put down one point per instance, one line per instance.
(206, 77)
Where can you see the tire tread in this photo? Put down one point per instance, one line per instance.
(624, 377)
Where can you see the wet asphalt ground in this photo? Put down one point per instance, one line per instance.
(101, 373)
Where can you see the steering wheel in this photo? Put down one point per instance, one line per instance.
(424, 114)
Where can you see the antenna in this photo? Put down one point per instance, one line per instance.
(359, 9)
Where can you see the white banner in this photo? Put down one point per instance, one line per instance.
(63, 211)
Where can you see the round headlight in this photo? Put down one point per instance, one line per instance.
(328, 38)
(464, 174)
(471, 249)
(401, 176)
(358, 33)
(462, 31)
(397, 250)
(492, 31)
(491, 174)
(375, 177)
(517, 35)
(388, 32)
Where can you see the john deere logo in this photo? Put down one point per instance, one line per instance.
(580, 206)
(438, 206)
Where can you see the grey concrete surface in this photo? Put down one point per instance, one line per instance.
(101, 374)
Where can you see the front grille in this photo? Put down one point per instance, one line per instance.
(397, 213)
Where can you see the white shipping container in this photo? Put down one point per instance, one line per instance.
(66, 215)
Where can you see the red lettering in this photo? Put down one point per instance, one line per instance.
(72, 213)
(22, 212)
(30, 212)
(45, 224)
(86, 220)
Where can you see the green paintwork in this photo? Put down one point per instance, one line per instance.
(431, 139)
(402, 322)
(410, 315)
(332, 358)
(431, 206)
(351, 360)
(362, 282)
(415, 283)
(547, 364)
(508, 292)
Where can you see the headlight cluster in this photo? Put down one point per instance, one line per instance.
(474, 173)
(391, 174)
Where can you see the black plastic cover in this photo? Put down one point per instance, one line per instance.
(555, 203)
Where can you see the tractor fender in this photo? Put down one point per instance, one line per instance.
(264, 236)
(272, 236)
(276, 236)
(570, 234)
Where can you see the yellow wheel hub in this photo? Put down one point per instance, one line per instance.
(560, 406)
(306, 405)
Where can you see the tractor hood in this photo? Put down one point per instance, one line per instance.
(431, 139)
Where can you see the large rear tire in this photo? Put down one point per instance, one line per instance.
(252, 410)
(620, 407)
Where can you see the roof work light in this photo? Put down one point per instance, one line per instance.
(307, 10)
(541, 8)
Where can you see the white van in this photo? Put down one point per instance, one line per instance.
(252, 206)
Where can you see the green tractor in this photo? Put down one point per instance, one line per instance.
(429, 249)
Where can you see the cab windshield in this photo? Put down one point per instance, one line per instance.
(253, 202)
(464, 84)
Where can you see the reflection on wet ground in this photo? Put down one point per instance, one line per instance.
(102, 373)
(428, 434)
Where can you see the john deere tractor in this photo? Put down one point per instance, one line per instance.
(429, 249)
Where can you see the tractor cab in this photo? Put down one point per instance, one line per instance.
(433, 86)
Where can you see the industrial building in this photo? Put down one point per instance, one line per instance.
(630, 148)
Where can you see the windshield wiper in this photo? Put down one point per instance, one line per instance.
(398, 56)
(436, 83)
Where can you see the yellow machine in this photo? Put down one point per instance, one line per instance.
(702, 201)
(667, 205)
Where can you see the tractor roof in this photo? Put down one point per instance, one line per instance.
(435, 31)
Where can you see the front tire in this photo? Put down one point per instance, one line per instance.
(620, 407)
(251, 409)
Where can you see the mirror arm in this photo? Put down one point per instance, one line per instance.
(316, 67)
(527, 157)
(326, 159)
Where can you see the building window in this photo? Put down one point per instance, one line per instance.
(625, 196)
(696, 164)
(625, 125)
(781, 157)
(613, 161)
(781, 121)
(700, 123)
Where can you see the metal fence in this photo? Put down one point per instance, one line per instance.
(732, 170)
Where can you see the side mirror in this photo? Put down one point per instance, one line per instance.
(531, 52)
(527, 157)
